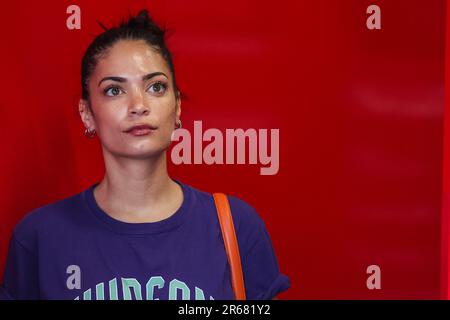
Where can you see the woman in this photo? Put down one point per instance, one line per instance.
(138, 234)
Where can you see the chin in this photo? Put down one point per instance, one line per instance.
(142, 150)
(145, 154)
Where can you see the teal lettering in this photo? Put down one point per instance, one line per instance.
(87, 295)
(151, 284)
(127, 284)
(113, 289)
(199, 294)
(100, 291)
(173, 288)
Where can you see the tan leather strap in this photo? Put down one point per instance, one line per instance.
(231, 244)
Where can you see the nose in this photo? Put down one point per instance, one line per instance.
(138, 104)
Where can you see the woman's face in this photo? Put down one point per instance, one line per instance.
(132, 85)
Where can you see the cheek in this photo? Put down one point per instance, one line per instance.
(163, 111)
(109, 117)
(168, 120)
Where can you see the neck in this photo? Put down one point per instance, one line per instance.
(138, 190)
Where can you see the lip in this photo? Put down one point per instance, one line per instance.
(140, 129)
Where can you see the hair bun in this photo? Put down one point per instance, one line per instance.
(143, 21)
(143, 18)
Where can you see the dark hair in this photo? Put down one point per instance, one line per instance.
(139, 27)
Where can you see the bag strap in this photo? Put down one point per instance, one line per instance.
(231, 244)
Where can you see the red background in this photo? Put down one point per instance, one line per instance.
(360, 113)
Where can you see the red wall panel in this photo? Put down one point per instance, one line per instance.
(360, 116)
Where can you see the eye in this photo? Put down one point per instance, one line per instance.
(158, 87)
(112, 91)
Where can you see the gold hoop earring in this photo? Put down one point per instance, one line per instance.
(89, 133)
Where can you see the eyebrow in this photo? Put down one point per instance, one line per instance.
(144, 78)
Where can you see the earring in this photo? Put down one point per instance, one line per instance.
(89, 133)
(179, 124)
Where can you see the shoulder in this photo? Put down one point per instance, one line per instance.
(44, 219)
(244, 214)
(248, 224)
(262, 276)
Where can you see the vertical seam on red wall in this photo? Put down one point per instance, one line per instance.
(445, 239)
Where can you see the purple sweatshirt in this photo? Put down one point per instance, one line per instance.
(72, 249)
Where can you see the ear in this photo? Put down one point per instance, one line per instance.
(178, 107)
(86, 114)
